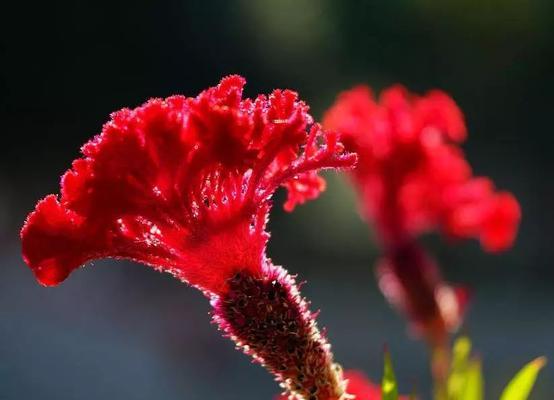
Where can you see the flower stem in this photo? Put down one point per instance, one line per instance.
(440, 368)
(268, 319)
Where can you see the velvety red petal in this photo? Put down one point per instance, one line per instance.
(51, 242)
(304, 187)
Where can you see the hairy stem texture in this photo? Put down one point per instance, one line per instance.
(268, 319)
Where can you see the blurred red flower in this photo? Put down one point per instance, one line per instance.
(412, 175)
(412, 178)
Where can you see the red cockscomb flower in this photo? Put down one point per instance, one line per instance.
(412, 177)
(185, 185)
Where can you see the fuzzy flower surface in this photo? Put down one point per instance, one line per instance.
(412, 178)
(184, 185)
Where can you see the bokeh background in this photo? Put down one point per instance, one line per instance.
(121, 331)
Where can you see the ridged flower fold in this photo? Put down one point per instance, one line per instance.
(184, 185)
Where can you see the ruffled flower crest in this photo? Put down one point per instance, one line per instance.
(412, 175)
(183, 185)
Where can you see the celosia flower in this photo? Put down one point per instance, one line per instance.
(358, 386)
(412, 178)
(184, 185)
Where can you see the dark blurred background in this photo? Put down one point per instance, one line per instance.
(126, 332)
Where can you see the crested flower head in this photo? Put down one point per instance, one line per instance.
(412, 175)
(184, 185)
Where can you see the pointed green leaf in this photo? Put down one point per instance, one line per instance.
(459, 368)
(460, 352)
(474, 381)
(465, 381)
(522, 383)
(389, 388)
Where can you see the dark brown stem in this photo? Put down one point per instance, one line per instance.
(268, 319)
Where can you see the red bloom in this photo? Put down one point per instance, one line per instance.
(412, 175)
(184, 185)
(358, 385)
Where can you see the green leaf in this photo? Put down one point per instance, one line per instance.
(465, 381)
(461, 352)
(474, 382)
(458, 377)
(522, 383)
(389, 388)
